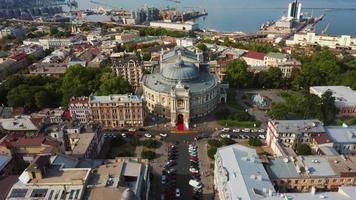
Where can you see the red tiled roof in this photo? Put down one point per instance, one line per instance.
(322, 138)
(79, 100)
(19, 56)
(18, 141)
(254, 55)
(66, 115)
(6, 183)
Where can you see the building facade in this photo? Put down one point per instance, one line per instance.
(182, 88)
(117, 111)
(334, 42)
(286, 134)
(79, 109)
(129, 66)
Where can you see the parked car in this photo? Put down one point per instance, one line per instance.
(193, 170)
(246, 130)
(163, 179)
(124, 135)
(147, 135)
(236, 130)
(195, 184)
(225, 136)
(225, 129)
(261, 130)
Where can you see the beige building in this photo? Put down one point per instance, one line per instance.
(79, 109)
(302, 173)
(120, 178)
(129, 66)
(182, 88)
(116, 111)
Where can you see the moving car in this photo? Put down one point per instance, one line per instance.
(163, 134)
(177, 192)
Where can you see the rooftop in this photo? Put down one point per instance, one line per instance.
(113, 177)
(344, 193)
(277, 55)
(124, 98)
(81, 143)
(344, 96)
(299, 126)
(20, 141)
(4, 160)
(341, 134)
(322, 138)
(19, 123)
(246, 176)
(254, 55)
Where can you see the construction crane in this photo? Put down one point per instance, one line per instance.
(103, 4)
(323, 32)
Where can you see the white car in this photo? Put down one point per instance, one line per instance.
(163, 179)
(225, 129)
(236, 130)
(225, 136)
(147, 135)
(124, 135)
(246, 130)
(177, 192)
(261, 130)
(193, 170)
(163, 134)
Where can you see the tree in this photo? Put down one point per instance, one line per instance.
(227, 141)
(22, 96)
(237, 74)
(214, 143)
(278, 111)
(272, 78)
(327, 108)
(211, 152)
(303, 149)
(111, 84)
(42, 99)
(255, 142)
(202, 46)
(78, 81)
(148, 155)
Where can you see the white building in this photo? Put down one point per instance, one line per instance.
(283, 135)
(50, 43)
(186, 42)
(334, 42)
(344, 138)
(239, 174)
(345, 98)
(187, 26)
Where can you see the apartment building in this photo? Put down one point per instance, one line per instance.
(284, 62)
(79, 109)
(239, 174)
(283, 135)
(45, 180)
(116, 111)
(343, 137)
(334, 42)
(129, 66)
(302, 173)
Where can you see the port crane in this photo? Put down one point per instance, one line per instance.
(174, 1)
(102, 4)
(323, 32)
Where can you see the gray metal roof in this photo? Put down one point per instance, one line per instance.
(299, 126)
(180, 71)
(340, 134)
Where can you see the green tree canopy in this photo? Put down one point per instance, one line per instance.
(272, 78)
(237, 74)
(303, 149)
(278, 111)
(111, 84)
(327, 108)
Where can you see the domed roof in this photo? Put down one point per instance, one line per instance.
(180, 71)
(128, 195)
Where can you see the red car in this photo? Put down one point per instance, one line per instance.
(194, 158)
